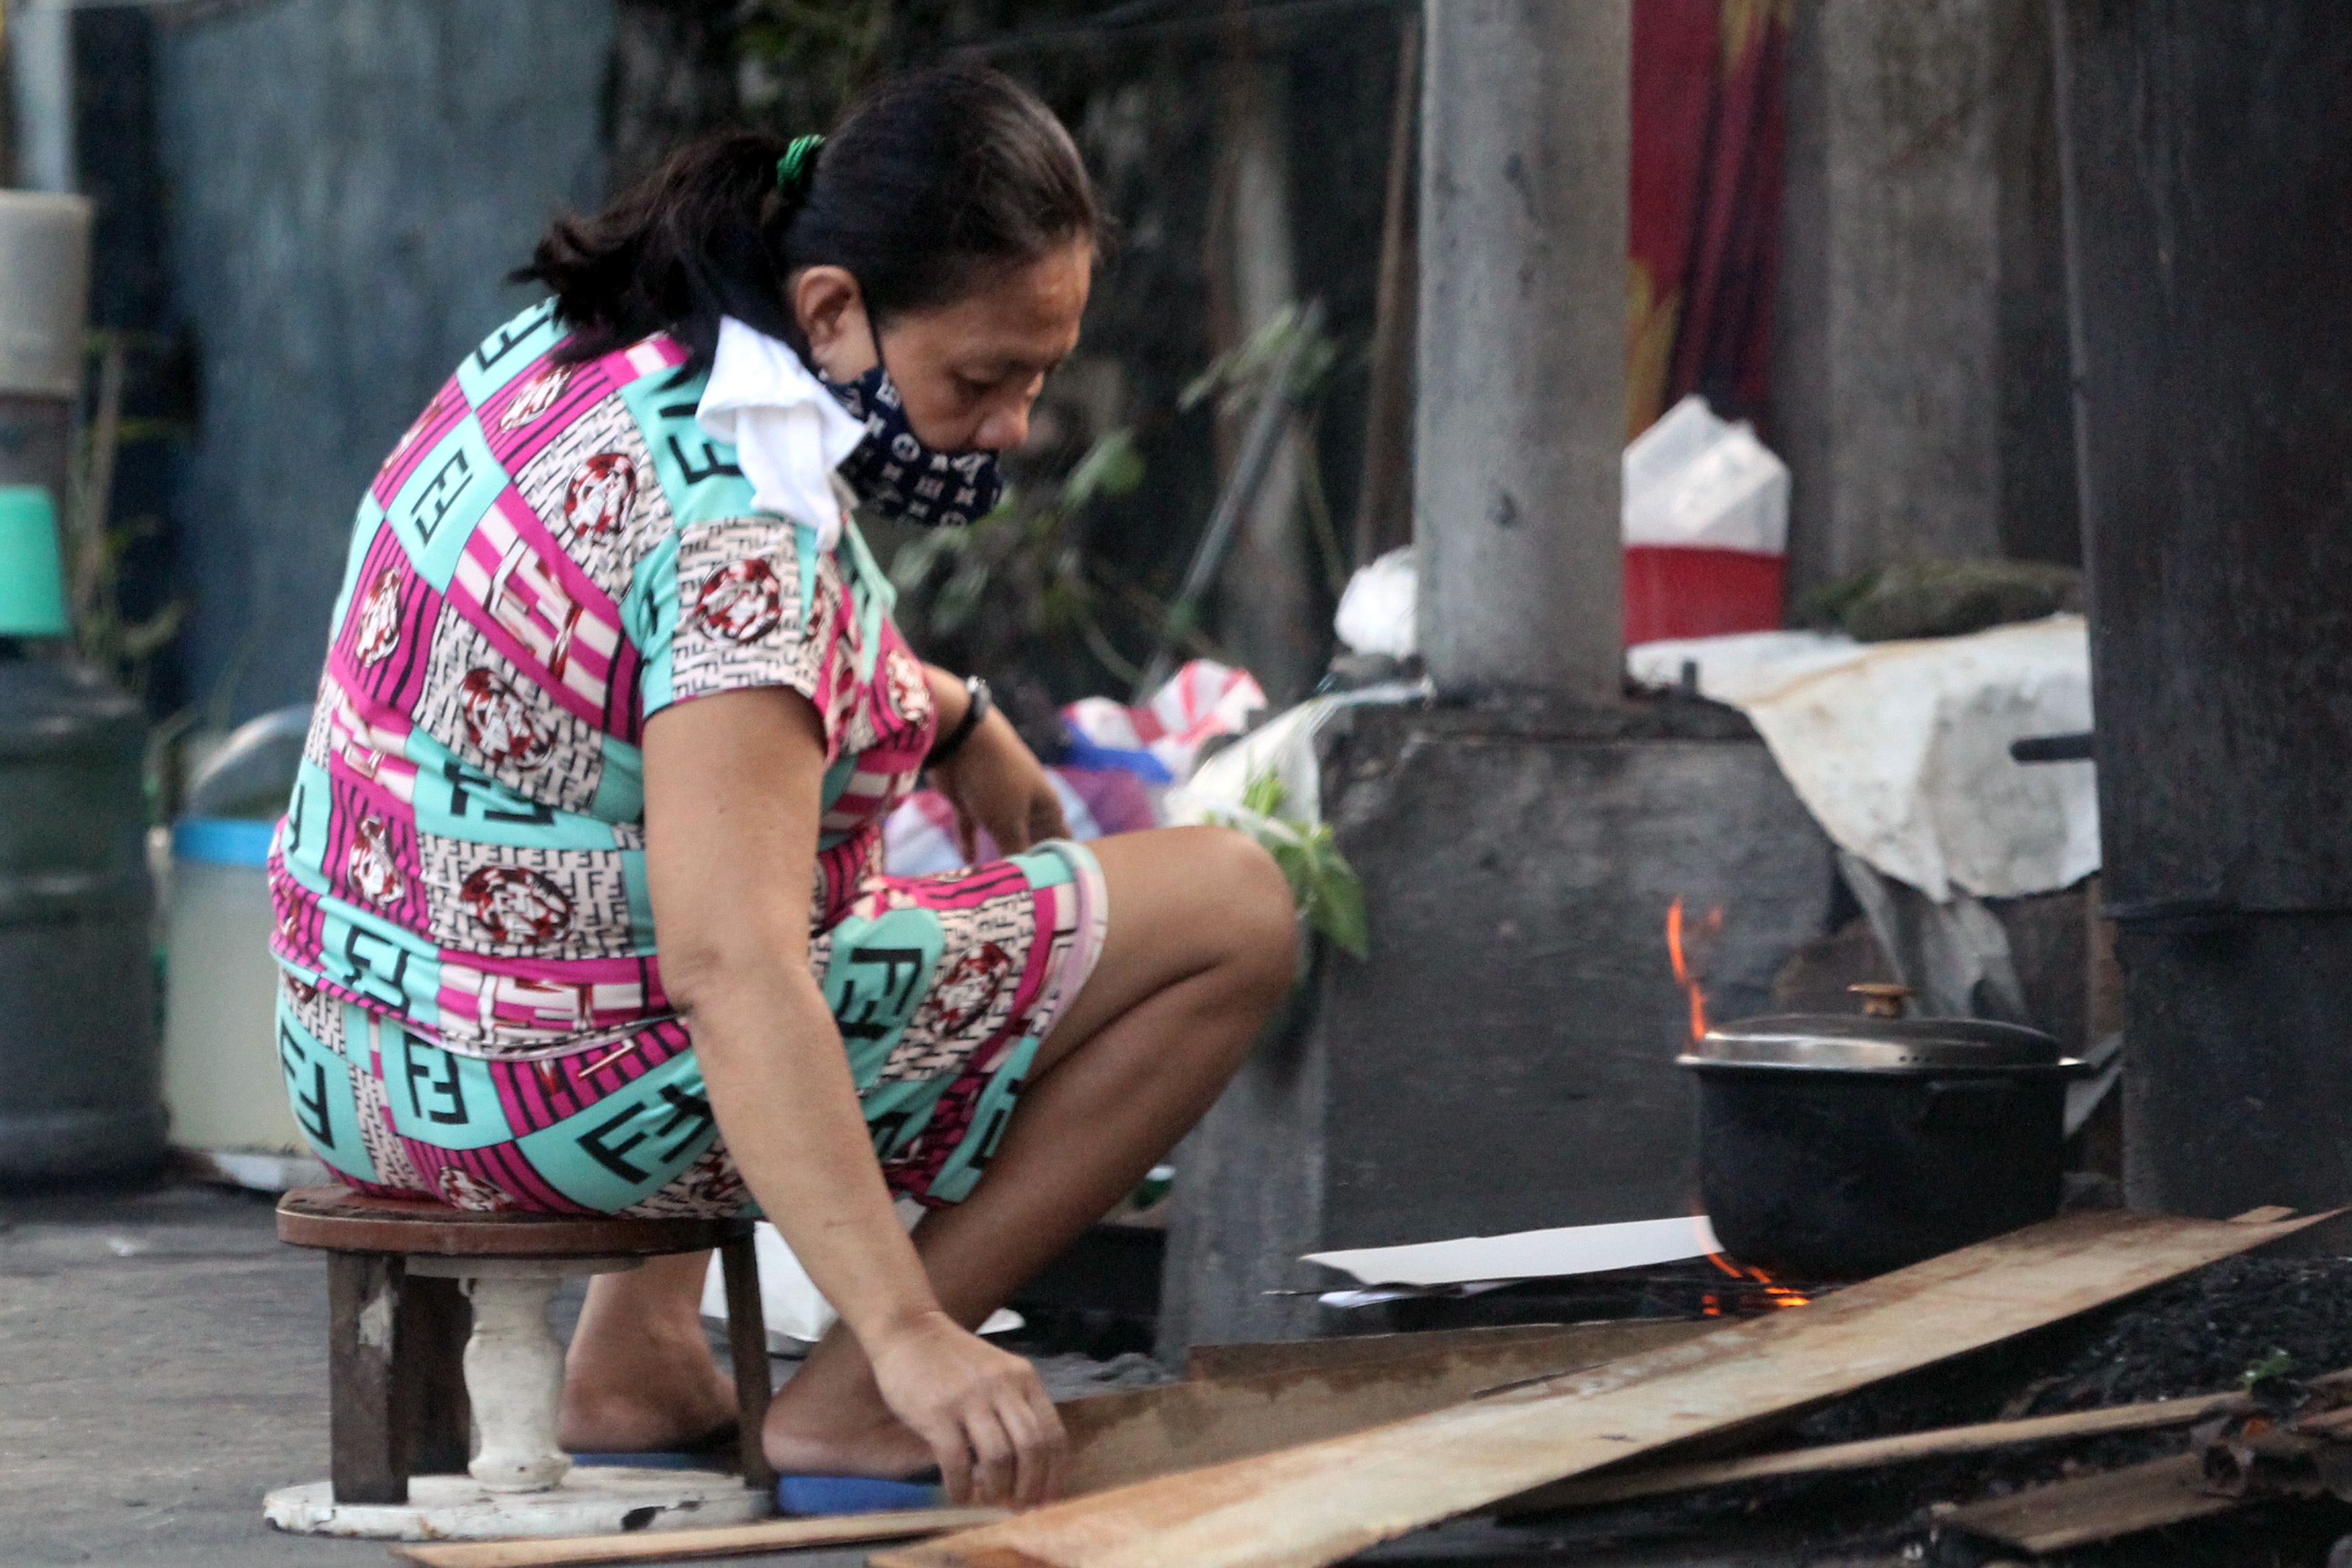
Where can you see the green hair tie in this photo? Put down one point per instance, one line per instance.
(793, 170)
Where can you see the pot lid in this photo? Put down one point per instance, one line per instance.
(1861, 1044)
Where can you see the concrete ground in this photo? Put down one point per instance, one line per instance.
(162, 1364)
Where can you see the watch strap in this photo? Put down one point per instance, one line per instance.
(975, 710)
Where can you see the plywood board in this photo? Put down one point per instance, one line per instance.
(2095, 1508)
(1118, 1438)
(1307, 1506)
(1869, 1453)
(1256, 1359)
(682, 1545)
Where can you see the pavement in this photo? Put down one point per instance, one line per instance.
(162, 1364)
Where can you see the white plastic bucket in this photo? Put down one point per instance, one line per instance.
(221, 1078)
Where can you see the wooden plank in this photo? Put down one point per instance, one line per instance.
(1312, 1505)
(679, 1545)
(1256, 1360)
(1120, 1439)
(2094, 1508)
(1870, 1452)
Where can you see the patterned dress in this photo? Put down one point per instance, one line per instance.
(471, 1006)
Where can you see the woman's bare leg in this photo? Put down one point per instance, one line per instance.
(1198, 954)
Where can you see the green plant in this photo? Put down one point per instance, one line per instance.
(96, 542)
(828, 49)
(1323, 885)
(1241, 376)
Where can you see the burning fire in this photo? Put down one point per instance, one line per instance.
(1690, 944)
(1689, 952)
(1775, 1297)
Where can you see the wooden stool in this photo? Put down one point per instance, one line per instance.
(402, 1282)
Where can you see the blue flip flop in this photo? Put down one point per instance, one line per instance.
(714, 1450)
(816, 1496)
(657, 1460)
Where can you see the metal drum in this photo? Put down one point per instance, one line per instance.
(80, 1075)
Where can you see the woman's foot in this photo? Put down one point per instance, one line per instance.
(686, 1414)
(808, 1443)
(640, 1377)
(657, 1399)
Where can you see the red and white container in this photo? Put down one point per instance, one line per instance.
(1705, 528)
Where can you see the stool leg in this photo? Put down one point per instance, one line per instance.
(364, 1425)
(431, 1350)
(514, 1376)
(747, 1346)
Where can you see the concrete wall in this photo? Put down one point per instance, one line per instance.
(1504, 1060)
(1920, 391)
(349, 182)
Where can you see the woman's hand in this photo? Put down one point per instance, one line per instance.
(985, 1412)
(996, 781)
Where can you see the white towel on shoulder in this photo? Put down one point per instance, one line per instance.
(789, 433)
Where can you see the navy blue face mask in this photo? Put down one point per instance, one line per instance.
(898, 473)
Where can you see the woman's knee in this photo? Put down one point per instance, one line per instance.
(1256, 919)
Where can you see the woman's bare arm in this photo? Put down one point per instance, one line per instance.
(732, 800)
(993, 781)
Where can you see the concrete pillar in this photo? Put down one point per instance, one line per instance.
(1525, 131)
(40, 72)
(1888, 380)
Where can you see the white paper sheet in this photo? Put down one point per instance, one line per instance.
(1528, 1254)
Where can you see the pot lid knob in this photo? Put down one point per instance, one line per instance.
(1882, 1001)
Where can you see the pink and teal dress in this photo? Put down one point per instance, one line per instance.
(471, 1007)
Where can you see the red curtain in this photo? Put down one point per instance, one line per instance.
(1704, 229)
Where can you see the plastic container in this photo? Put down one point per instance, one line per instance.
(1691, 593)
(1705, 528)
(78, 1053)
(221, 1077)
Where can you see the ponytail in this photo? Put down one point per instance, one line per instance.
(935, 182)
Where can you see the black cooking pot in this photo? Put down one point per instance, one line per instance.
(1838, 1147)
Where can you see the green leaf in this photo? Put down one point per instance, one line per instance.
(911, 566)
(1263, 795)
(1339, 913)
(1111, 467)
(960, 599)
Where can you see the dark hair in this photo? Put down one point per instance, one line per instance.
(934, 181)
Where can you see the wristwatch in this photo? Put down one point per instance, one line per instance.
(976, 709)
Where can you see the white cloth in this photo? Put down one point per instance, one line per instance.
(789, 433)
(1901, 749)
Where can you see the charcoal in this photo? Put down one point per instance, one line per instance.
(2202, 1333)
(2198, 1335)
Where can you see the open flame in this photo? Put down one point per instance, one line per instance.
(1690, 943)
(1689, 949)
(1761, 1289)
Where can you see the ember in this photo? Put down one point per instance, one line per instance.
(1762, 1293)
